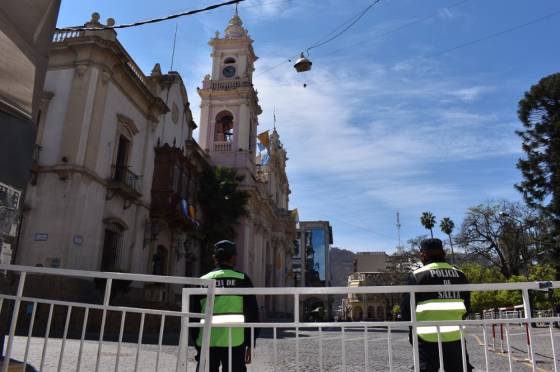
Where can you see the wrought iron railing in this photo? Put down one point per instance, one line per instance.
(123, 176)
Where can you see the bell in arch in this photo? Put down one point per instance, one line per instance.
(303, 64)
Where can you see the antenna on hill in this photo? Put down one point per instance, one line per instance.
(399, 247)
(174, 43)
(274, 117)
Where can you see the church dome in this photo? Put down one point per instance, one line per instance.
(235, 29)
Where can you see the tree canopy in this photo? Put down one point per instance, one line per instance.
(539, 111)
(504, 233)
(223, 204)
(428, 220)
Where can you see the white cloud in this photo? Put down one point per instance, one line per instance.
(378, 126)
(471, 93)
(446, 13)
(267, 8)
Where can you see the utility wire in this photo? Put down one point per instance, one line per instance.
(352, 21)
(406, 25)
(415, 22)
(154, 20)
(499, 33)
(340, 33)
(475, 41)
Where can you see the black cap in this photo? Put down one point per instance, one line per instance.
(224, 250)
(431, 244)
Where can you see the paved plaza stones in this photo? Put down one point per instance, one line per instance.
(309, 352)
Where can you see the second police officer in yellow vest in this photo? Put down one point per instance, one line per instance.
(228, 309)
(435, 306)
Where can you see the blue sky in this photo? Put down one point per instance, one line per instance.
(390, 120)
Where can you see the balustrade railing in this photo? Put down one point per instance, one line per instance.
(225, 84)
(222, 146)
(60, 36)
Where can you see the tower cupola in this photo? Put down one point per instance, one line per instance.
(235, 29)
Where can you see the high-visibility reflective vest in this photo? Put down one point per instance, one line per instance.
(227, 309)
(440, 308)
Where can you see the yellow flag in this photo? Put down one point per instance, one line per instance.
(264, 139)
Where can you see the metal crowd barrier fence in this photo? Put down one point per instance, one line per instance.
(21, 273)
(390, 326)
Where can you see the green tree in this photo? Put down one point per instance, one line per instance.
(223, 204)
(477, 273)
(487, 300)
(539, 111)
(428, 220)
(447, 225)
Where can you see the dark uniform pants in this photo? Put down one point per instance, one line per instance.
(452, 357)
(219, 356)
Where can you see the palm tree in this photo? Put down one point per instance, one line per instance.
(428, 220)
(447, 225)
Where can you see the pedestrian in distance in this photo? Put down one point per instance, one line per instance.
(228, 309)
(435, 306)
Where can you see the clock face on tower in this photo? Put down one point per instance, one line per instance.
(229, 71)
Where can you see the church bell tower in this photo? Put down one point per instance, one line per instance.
(229, 103)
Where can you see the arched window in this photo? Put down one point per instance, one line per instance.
(224, 127)
(229, 61)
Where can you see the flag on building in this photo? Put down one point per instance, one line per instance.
(264, 139)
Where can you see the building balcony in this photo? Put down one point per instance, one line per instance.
(222, 146)
(125, 182)
(225, 84)
(175, 179)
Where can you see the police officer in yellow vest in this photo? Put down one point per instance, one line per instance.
(445, 305)
(228, 309)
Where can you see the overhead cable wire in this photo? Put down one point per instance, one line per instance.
(402, 27)
(498, 33)
(355, 18)
(351, 22)
(474, 41)
(340, 33)
(409, 24)
(149, 21)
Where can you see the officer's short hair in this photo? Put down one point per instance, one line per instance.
(224, 250)
(433, 244)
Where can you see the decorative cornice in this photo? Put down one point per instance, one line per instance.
(128, 123)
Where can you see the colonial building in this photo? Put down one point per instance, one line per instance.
(357, 307)
(228, 133)
(105, 130)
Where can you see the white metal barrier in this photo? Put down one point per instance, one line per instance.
(391, 326)
(347, 332)
(21, 273)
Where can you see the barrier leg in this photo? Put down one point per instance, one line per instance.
(494, 337)
(502, 338)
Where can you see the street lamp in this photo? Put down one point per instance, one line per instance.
(302, 64)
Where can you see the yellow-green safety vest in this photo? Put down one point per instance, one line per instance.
(227, 309)
(439, 309)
